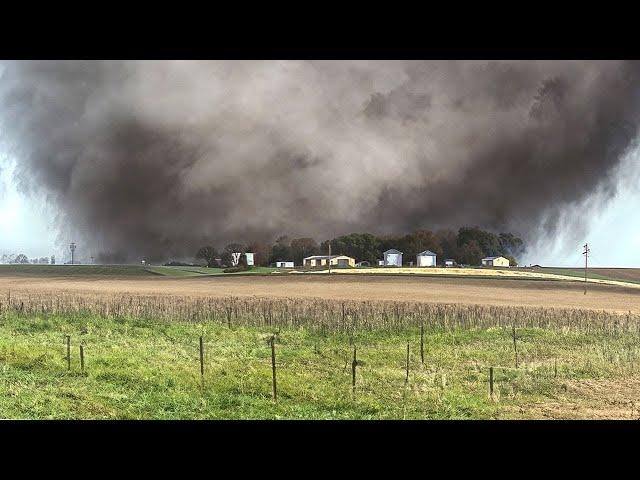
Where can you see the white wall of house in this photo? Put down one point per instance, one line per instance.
(426, 260)
(284, 264)
(393, 259)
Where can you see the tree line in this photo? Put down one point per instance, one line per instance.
(467, 246)
(23, 259)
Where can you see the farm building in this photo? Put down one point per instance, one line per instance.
(426, 259)
(284, 264)
(321, 260)
(449, 262)
(495, 262)
(393, 258)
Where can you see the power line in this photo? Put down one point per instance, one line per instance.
(586, 257)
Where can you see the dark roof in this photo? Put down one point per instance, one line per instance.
(393, 250)
(492, 258)
(427, 253)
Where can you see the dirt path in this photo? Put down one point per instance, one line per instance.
(439, 290)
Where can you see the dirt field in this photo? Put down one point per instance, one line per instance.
(427, 289)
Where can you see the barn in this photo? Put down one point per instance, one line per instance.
(426, 259)
(495, 262)
(322, 260)
(392, 258)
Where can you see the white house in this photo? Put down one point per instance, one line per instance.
(393, 258)
(284, 264)
(426, 259)
(325, 260)
(495, 262)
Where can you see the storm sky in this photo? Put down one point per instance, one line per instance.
(154, 159)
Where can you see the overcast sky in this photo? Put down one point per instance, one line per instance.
(153, 159)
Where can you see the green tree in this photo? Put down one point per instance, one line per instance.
(510, 244)
(261, 251)
(303, 247)
(361, 246)
(208, 254)
(487, 241)
(22, 258)
(471, 253)
(281, 251)
(419, 241)
(448, 241)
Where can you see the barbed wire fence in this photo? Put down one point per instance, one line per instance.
(320, 316)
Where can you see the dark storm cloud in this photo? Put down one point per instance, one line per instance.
(156, 158)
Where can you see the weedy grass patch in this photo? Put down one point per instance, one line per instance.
(142, 359)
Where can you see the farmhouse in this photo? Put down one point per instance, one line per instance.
(495, 262)
(426, 259)
(284, 264)
(321, 260)
(393, 258)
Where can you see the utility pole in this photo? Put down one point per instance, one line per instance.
(72, 247)
(586, 256)
(329, 261)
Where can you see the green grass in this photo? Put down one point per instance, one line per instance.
(75, 270)
(121, 270)
(592, 273)
(143, 369)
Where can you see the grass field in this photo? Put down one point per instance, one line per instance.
(139, 368)
(621, 277)
(577, 355)
(120, 271)
(629, 275)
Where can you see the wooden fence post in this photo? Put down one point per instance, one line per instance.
(422, 341)
(81, 358)
(491, 382)
(515, 346)
(202, 361)
(406, 380)
(68, 352)
(273, 367)
(354, 363)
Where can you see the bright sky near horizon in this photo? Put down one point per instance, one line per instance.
(27, 225)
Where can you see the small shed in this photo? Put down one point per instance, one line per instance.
(495, 262)
(426, 259)
(284, 264)
(449, 262)
(249, 257)
(392, 258)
